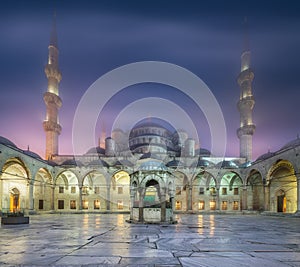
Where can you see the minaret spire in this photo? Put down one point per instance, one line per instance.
(246, 103)
(53, 36)
(51, 97)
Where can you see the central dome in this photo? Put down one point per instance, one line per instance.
(151, 135)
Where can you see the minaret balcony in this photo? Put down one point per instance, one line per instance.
(246, 130)
(52, 126)
(246, 75)
(51, 98)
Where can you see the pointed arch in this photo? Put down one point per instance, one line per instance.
(43, 183)
(281, 178)
(14, 177)
(120, 191)
(255, 190)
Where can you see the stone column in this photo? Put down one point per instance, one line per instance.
(218, 198)
(244, 198)
(31, 204)
(250, 198)
(298, 195)
(267, 197)
(132, 195)
(141, 204)
(163, 205)
(108, 198)
(172, 200)
(52, 197)
(80, 198)
(189, 197)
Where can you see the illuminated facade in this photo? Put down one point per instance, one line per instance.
(150, 167)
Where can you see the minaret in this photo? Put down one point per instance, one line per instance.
(245, 106)
(51, 97)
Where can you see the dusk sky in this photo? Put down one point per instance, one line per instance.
(205, 37)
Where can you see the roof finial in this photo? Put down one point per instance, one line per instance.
(53, 36)
(297, 136)
(28, 147)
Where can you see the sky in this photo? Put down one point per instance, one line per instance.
(204, 37)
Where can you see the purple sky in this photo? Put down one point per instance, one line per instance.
(207, 39)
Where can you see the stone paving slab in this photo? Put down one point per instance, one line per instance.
(87, 260)
(107, 240)
(229, 262)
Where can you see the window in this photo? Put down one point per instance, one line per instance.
(61, 204)
(84, 190)
(178, 190)
(213, 191)
(85, 204)
(73, 189)
(61, 189)
(201, 191)
(236, 191)
(224, 205)
(201, 205)
(120, 204)
(178, 205)
(97, 190)
(212, 205)
(235, 205)
(224, 191)
(120, 190)
(41, 204)
(97, 204)
(73, 204)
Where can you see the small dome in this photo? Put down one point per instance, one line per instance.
(6, 142)
(152, 165)
(265, 156)
(246, 164)
(96, 150)
(99, 162)
(203, 152)
(202, 163)
(174, 163)
(31, 154)
(72, 163)
(227, 164)
(292, 144)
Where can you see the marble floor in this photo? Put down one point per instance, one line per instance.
(107, 240)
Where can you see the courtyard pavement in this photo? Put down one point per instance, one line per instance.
(107, 240)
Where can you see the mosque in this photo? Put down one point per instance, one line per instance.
(150, 172)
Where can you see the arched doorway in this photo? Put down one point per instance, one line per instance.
(14, 200)
(152, 194)
(281, 201)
